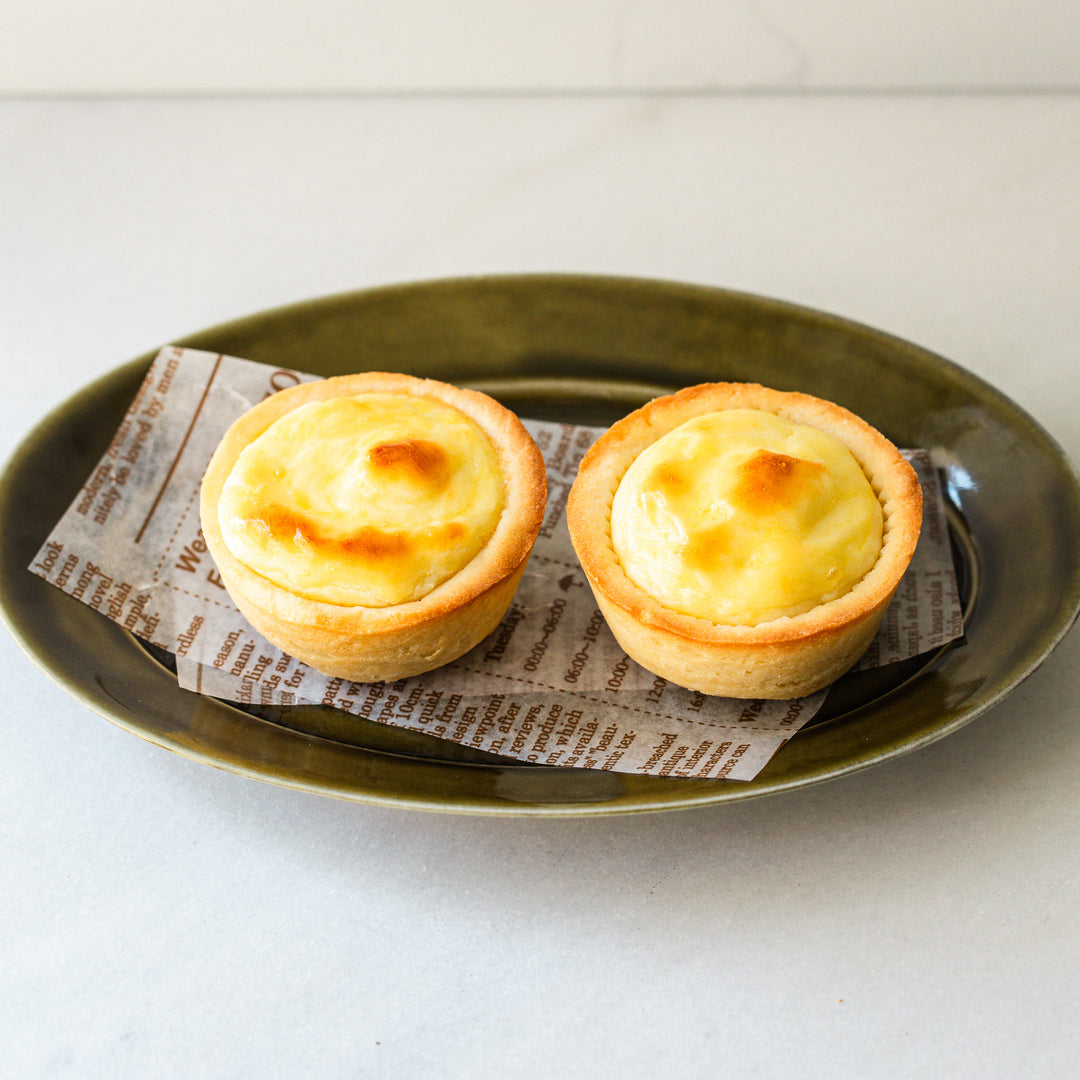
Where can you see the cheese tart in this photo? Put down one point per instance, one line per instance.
(374, 526)
(743, 541)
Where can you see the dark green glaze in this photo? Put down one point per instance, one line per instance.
(584, 349)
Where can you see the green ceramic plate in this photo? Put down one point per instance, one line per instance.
(584, 349)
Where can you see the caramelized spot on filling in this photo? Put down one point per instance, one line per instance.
(768, 481)
(368, 543)
(669, 478)
(373, 544)
(708, 547)
(417, 460)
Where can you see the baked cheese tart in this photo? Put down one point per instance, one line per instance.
(374, 526)
(743, 541)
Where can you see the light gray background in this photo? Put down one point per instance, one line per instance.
(538, 45)
(161, 918)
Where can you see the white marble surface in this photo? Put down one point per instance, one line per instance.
(161, 918)
(124, 46)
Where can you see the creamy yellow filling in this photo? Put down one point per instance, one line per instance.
(369, 500)
(740, 516)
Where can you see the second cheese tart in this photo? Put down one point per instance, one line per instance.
(375, 525)
(743, 541)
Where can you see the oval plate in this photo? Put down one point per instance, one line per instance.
(583, 349)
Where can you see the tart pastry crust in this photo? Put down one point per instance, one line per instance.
(397, 640)
(785, 657)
